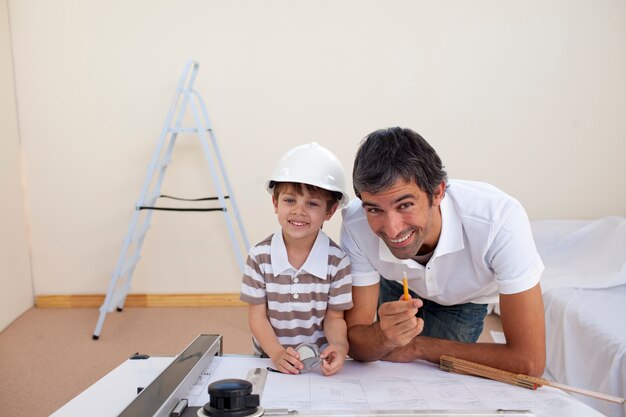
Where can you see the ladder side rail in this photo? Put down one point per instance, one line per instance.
(191, 66)
(220, 161)
(120, 295)
(218, 186)
(106, 305)
(125, 246)
(156, 188)
(174, 105)
(177, 113)
(162, 156)
(194, 66)
(147, 221)
(166, 156)
(126, 283)
(182, 109)
(154, 162)
(129, 235)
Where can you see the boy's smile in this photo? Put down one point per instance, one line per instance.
(297, 223)
(300, 214)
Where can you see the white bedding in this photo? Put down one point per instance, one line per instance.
(586, 342)
(581, 253)
(584, 286)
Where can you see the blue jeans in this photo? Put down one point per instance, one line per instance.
(462, 322)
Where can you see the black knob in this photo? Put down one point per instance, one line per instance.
(231, 398)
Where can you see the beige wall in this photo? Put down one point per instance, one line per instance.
(16, 291)
(529, 96)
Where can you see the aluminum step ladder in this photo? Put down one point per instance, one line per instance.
(186, 98)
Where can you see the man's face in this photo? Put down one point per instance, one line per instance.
(404, 219)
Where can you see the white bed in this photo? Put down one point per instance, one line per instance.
(584, 290)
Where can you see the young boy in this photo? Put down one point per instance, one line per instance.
(297, 281)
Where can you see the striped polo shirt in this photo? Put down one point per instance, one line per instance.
(297, 299)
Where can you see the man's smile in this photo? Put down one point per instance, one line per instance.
(401, 239)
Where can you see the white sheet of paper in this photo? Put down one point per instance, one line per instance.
(387, 386)
(498, 337)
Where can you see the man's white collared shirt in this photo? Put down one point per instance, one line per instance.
(485, 248)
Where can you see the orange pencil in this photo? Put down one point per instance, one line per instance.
(405, 282)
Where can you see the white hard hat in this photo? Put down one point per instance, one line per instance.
(311, 164)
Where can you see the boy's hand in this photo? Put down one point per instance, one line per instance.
(333, 358)
(288, 361)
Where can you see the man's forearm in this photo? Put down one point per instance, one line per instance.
(519, 360)
(368, 343)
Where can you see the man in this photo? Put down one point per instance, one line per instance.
(461, 244)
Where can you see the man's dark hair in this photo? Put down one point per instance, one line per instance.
(386, 155)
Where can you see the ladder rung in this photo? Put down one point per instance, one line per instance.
(186, 129)
(164, 163)
(117, 300)
(141, 232)
(130, 265)
(149, 200)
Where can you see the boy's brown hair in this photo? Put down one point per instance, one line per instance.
(331, 197)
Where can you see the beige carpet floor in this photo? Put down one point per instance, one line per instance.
(47, 356)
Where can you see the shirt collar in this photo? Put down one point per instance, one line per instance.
(450, 240)
(316, 263)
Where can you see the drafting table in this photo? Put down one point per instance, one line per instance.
(360, 389)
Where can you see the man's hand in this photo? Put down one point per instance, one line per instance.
(287, 361)
(333, 358)
(525, 349)
(396, 326)
(398, 321)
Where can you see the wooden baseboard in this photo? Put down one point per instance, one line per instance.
(141, 300)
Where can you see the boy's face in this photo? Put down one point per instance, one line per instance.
(301, 214)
